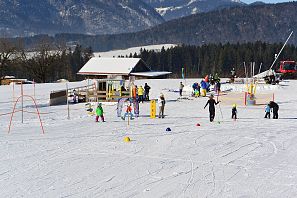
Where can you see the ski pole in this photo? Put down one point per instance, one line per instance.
(219, 104)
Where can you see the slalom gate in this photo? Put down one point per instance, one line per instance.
(20, 100)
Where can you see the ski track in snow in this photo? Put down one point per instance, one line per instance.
(250, 157)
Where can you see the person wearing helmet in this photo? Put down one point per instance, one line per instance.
(99, 113)
(211, 102)
(234, 112)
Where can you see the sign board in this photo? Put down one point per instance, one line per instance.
(153, 109)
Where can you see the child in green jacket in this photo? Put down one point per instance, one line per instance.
(99, 113)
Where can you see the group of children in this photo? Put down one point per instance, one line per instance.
(129, 109)
(271, 106)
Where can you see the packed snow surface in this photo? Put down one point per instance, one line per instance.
(133, 50)
(77, 157)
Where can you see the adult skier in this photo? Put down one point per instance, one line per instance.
(140, 94)
(274, 107)
(234, 112)
(181, 86)
(233, 75)
(146, 92)
(161, 104)
(211, 102)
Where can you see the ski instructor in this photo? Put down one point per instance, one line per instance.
(275, 107)
(211, 102)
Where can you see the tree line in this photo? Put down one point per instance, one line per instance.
(46, 62)
(198, 61)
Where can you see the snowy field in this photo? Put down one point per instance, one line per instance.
(132, 50)
(250, 157)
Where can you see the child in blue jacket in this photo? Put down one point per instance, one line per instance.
(267, 111)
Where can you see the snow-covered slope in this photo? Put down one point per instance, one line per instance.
(175, 9)
(133, 50)
(26, 18)
(77, 157)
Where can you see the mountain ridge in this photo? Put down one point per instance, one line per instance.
(180, 8)
(269, 23)
(21, 18)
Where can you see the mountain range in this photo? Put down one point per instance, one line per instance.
(269, 23)
(31, 17)
(170, 9)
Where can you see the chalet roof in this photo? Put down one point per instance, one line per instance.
(150, 74)
(109, 66)
(118, 66)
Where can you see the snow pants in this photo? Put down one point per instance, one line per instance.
(128, 114)
(275, 113)
(161, 111)
(146, 96)
(212, 113)
(203, 92)
(267, 115)
(97, 118)
(234, 116)
(140, 98)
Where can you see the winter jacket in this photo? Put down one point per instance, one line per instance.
(161, 101)
(267, 109)
(234, 110)
(129, 109)
(195, 86)
(203, 85)
(273, 105)
(99, 111)
(147, 88)
(140, 91)
(211, 103)
(181, 86)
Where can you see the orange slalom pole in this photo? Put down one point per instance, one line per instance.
(12, 114)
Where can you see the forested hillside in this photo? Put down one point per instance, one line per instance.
(266, 23)
(45, 65)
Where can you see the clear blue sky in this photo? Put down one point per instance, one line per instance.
(266, 1)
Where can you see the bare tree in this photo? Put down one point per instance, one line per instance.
(7, 50)
(40, 63)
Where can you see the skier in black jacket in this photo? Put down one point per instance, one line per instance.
(275, 108)
(146, 92)
(211, 102)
